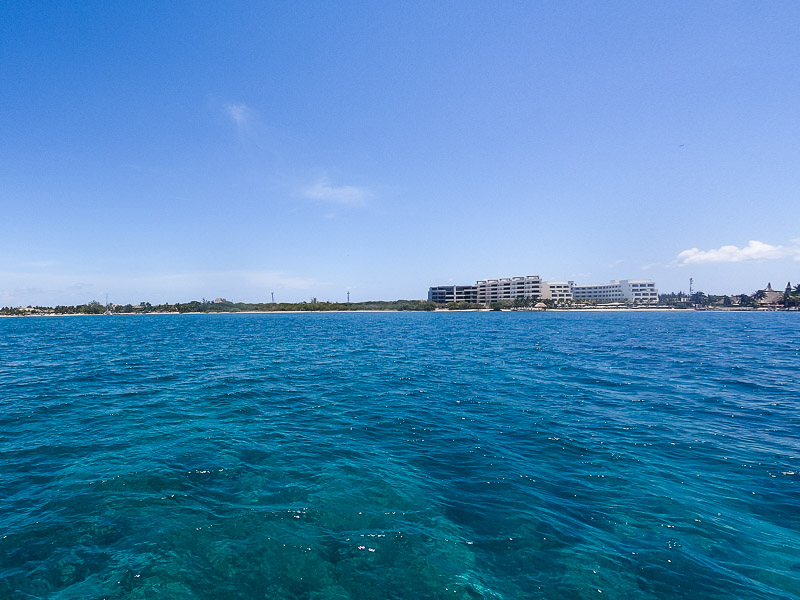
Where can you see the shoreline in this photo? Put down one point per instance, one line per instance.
(437, 311)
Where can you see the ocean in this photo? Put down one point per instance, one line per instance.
(400, 455)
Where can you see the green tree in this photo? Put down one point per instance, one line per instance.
(700, 299)
(500, 304)
(746, 300)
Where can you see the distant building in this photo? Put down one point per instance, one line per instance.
(557, 290)
(509, 288)
(624, 290)
(453, 293)
(487, 291)
(769, 297)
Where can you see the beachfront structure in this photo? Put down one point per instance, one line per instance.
(509, 288)
(769, 297)
(624, 290)
(453, 293)
(557, 290)
(487, 291)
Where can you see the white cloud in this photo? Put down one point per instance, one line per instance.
(346, 195)
(241, 115)
(754, 250)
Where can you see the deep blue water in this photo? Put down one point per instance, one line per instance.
(373, 456)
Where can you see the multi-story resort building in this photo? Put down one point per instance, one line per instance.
(487, 291)
(508, 288)
(625, 290)
(453, 293)
(557, 290)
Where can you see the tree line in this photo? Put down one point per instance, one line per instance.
(790, 298)
(207, 306)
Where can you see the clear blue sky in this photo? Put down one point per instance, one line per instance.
(169, 151)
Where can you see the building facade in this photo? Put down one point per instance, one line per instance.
(624, 290)
(509, 288)
(487, 291)
(453, 293)
(557, 290)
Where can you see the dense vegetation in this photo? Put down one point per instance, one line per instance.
(790, 298)
(206, 306)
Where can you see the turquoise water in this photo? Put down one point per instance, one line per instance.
(464, 456)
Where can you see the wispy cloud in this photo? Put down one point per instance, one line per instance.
(753, 251)
(345, 195)
(39, 264)
(241, 115)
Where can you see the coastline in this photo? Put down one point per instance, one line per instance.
(437, 311)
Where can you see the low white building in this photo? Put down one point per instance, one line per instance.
(557, 290)
(624, 290)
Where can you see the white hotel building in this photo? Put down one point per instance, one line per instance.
(557, 290)
(487, 291)
(623, 290)
(508, 288)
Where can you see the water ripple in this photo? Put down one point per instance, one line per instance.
(400, 456)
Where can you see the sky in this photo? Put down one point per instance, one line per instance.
(170, 151)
